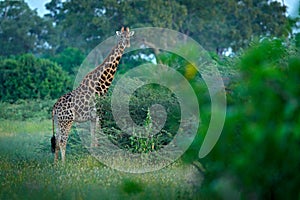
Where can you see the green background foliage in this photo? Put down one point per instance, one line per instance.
(22, 30)
(74, 24)
(27, 77)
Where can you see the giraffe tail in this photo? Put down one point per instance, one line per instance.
(53, 139)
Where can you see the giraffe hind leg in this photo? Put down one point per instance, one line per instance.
(56, 153)
(65, 127)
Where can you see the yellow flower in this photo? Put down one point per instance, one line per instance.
(190, 71)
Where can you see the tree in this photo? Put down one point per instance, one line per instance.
(234, 23)
(84, 24)
(213, 23)
(21, 29)
(69, 59)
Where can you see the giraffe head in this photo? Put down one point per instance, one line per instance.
(124, 37)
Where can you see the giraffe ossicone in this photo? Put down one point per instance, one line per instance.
(79, 105)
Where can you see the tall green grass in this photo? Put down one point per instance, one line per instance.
(27, 170)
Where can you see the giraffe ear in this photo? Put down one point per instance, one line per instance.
(131, 33)
(118, 33)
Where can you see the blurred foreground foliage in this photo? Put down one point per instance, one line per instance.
(257, 155)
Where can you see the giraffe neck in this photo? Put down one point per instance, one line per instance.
(99, 80)
(115, 55)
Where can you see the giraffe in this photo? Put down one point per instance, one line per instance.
(79, 105)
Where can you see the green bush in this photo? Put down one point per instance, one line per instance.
(258, 152)
(139, 105)
(27, 77)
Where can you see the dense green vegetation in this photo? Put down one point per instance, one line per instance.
(257, 155)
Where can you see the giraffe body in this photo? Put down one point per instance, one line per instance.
(79, 105)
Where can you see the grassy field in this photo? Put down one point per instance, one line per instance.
(27, 171)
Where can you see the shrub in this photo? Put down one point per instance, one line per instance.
(27, 77)
(139, 105)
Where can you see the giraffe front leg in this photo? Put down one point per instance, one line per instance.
(95, 128)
